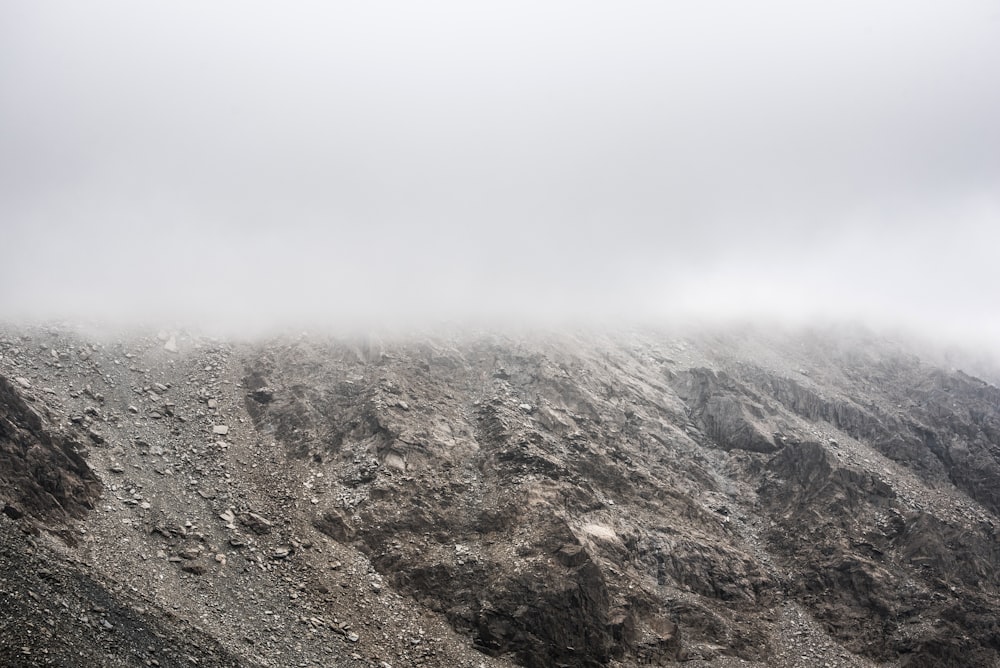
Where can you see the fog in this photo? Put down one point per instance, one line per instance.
(250, 164)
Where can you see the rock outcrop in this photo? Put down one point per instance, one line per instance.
(42, 472)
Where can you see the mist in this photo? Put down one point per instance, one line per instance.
(246, 165)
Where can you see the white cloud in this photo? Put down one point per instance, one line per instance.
(250, 162)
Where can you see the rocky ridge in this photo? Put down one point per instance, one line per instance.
(647, 498)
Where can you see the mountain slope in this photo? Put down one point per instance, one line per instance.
(588, 500)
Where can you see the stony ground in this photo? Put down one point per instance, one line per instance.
(647, 498)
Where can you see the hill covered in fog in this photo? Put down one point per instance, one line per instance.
(590, 499)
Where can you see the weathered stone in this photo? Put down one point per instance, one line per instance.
(333, 523)
(194, 567)
(256, 523)
(12, 511)
(572, 555)
(262, 395)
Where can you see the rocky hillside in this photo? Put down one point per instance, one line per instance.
(648, 498)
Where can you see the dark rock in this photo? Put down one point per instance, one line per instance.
(333, 523)
(12, 511)
(42, 473)
(256, 523)
(571, 555)
(262, 395)
(195, 567)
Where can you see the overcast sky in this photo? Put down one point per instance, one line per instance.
(250, 162)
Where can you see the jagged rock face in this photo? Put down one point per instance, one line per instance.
(486, 483)
(553, 505)
(42, 473)
(949, 427)
(874, 571)
(731, 418)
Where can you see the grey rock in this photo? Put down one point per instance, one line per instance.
(257, 523)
